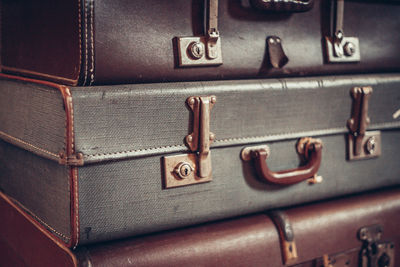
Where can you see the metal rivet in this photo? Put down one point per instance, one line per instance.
(189, 138)
(349, 49)
(191, 101)
(271, 41)
(213, 99)
(278, 40)
(183, 170)
(196, 50)
(371, 145)
(212, 136)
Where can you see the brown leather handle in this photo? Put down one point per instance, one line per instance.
(312, 151)
(283, 5)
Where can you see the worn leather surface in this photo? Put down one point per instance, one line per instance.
(27, 242)
(251, 241)
(332, 227)
(42, 38)
(134, 41)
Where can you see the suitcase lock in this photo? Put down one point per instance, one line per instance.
(340, 48)
(203, 50)
(374, 252)
(362, 144)
(193, 168)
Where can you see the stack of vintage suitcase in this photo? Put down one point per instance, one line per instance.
(200, 133)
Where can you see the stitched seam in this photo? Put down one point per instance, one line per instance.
(287, 1)
(42, 222)
(80, 32)
(86, 44)
(138, 150)
(92, 42)
(28, 144)
(224, 140)
(75, 177)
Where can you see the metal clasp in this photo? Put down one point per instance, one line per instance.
(375, 253)
(362, 144)
(193, 168)
(340, 48)
(202, 50)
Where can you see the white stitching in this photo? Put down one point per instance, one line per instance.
(28, 144)
(75, 174)
(228, 140)
(287, 1)
(92, 42)
(86, 45)
(42, 222)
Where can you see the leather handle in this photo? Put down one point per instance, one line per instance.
(309, 147)
(283, 5)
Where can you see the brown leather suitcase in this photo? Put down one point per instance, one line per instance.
(90, 42)
(361, 231)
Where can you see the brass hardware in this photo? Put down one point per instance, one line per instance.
(245, 154)
(191, 49)
(72, 160)
(316, 179)
(361, 144)
(374, 252)
(196, 50)
(340, 48)
(171, 176)
(345, 258)
(183, 169)
(195, 167)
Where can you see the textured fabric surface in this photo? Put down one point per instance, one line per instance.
(40, 185)
(32, 115)
(114, 122)
(124, 198)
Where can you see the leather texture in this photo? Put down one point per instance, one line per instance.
(332, 227)
(251, 241)
(134, 41)
(108, 186)
(325, 228)
(27, 242)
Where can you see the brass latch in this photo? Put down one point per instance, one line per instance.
(374, 252)
(202, 50)
(195, 167)
(361, 143)
(340, 48)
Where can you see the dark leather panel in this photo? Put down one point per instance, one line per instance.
(28, 242)
(42, 38)
(134, 40)
(332, 227)
(251, 241)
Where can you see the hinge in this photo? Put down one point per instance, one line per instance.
(374, 252)
(71, 160)
(202, 50)
(340, 48)
(195, 167)
(361, 143)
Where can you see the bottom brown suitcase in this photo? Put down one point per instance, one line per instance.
(361, 230)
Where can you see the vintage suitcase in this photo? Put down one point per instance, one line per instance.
(326, 234)
(90, 42)
(106, 162)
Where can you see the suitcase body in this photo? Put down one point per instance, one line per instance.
(100, 163)
(325, 234)
(109, 42)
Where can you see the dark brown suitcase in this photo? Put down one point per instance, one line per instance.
(90, 42)
(329, 234)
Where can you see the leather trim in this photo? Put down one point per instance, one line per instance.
(35, 74)
(68, 147)
(87, 39)
(31, 238)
